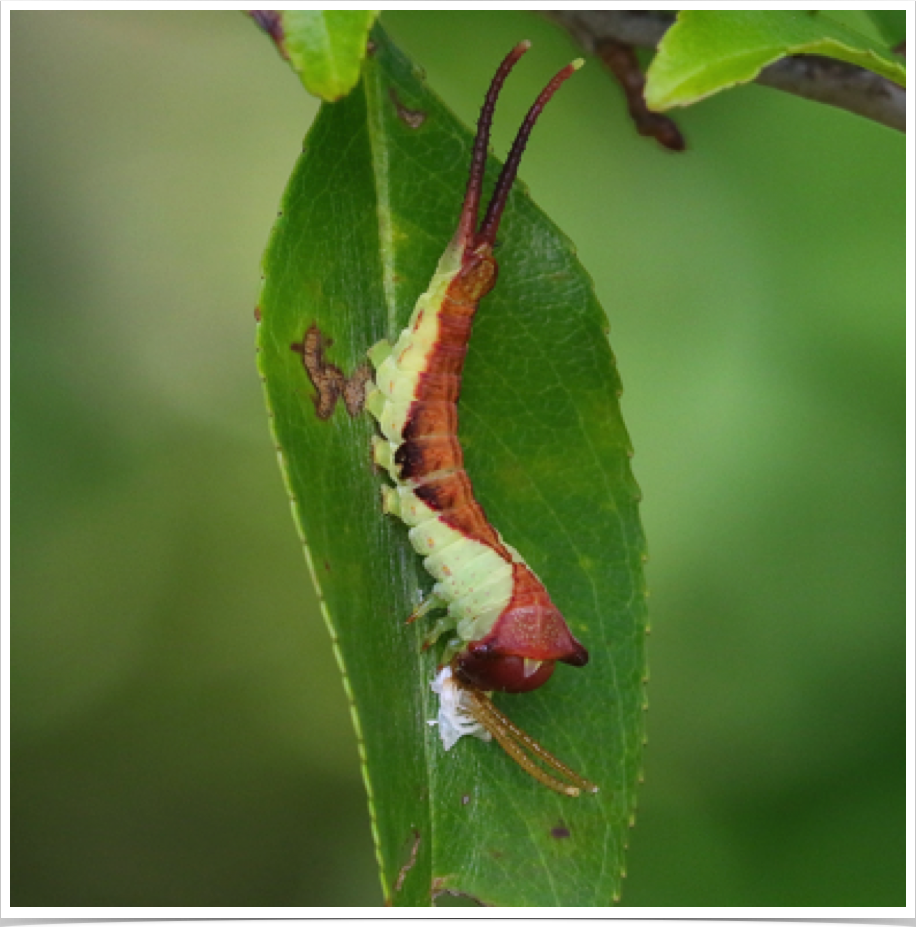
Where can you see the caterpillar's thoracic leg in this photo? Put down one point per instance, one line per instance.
(391, 501)
(430, 603)
(381, 452)
(379, 352)
(375, 401)
(442, 626)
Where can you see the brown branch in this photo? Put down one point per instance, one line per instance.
(824, 80)
(632, 27)
(621, 61)
(836, 83)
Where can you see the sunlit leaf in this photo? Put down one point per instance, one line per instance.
(326, 48)
(705, 52)
(370, 207)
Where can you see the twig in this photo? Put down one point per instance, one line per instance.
(621, 61)
(836, 83)
(824, 80)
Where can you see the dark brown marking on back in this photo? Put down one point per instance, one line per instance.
(428, 454)
(328, 379)
(446, 493)
(431, 418)
(452, 495)
(412, 118)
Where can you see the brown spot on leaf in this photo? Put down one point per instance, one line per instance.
(257, 313)
(412, 118)
(411, 861)
(354, 390)
(560, 832)
(439, 887)
(328, 379)
(622, 62)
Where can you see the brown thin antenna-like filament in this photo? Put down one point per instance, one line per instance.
(468, 221)
(487, 233)
(516, 742)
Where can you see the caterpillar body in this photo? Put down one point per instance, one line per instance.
(507, 634)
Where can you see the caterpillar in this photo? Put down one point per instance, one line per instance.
(508, 634)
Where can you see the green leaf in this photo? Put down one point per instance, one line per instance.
(369, 209)
(326, 48)
(891, 24)
(705, 52)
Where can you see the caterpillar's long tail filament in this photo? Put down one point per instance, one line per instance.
(468, 222)
(490, 224)
(524, 749)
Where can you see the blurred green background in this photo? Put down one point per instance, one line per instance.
(180, 732)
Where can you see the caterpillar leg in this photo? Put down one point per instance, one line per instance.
(391, 501)
(379, 352)
(381, 453)
(429, 604)
(375, 401)
(442, 626)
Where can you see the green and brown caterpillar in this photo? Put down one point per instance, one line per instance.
(508, 634)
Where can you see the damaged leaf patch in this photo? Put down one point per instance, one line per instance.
(328, 379)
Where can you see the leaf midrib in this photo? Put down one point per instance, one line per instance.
(378, 146)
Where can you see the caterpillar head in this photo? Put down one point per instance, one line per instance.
(485, 665)
(481, 668)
